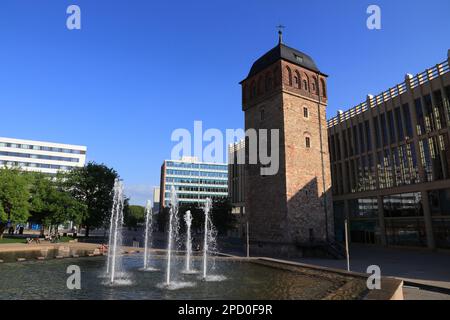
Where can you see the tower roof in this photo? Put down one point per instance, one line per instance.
(283, 52)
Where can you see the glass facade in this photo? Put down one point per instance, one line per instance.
(403, 205)
(441, 230)
(396, 154)
(406, 232)
(363, 220)
(403, 214)
(339, 219)
(363, 208)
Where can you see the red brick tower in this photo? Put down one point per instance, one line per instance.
(290, 210)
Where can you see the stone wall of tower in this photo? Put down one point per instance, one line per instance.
(308, 177)
(305, 177)
(266, 195)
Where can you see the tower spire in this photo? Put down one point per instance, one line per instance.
(280, 33)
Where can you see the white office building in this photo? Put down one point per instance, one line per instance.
(39, 156)
(193, 181)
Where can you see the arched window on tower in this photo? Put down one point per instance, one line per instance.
(324, 88)
(305, 83)
(307, 142)
(315, 86)
(298, 82)
(289, 74)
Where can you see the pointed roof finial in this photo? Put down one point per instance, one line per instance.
(280, 33)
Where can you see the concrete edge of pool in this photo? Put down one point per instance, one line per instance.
(391, 288)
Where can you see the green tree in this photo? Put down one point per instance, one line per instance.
(63, 208)
(51, 205)
(133, 215)
(93, 186)
(162, 219)
(14, 197)
(198, 217)
(221, 215)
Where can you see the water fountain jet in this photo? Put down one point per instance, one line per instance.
(114, 262)
(205, 242)
(209, 243)
(173, 231)
(188, 220)
(148, 237)
(172, 240)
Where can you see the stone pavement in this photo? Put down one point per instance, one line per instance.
(418, 294)
(415, 265)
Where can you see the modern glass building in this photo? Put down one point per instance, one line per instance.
(39, 156)
(390, 164)
(194, 181)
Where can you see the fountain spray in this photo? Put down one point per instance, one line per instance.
(188, 220)
(173, 230)
(148, 232)
(205, 244)
(115, 236)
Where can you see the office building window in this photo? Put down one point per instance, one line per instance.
(377, 133)
(441, 231)
(398, 120)
(406, 232)
(420, 117)
(407, 118)
(430, 117)
(440, 202)
(439, 110)
(368, 135)
(391, 127)
(363, 208)
(384, 130)
(355, 139)
(403, 205)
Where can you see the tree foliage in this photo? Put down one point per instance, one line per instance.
(93, 186)
(198, 217)
(133, 215)
(14, 197)
(221, 215)
(51, 204)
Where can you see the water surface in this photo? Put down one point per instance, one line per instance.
(243, 280)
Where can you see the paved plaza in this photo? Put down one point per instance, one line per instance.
(415, 265)
(418, 268)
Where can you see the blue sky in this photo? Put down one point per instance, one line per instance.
(139, 69)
